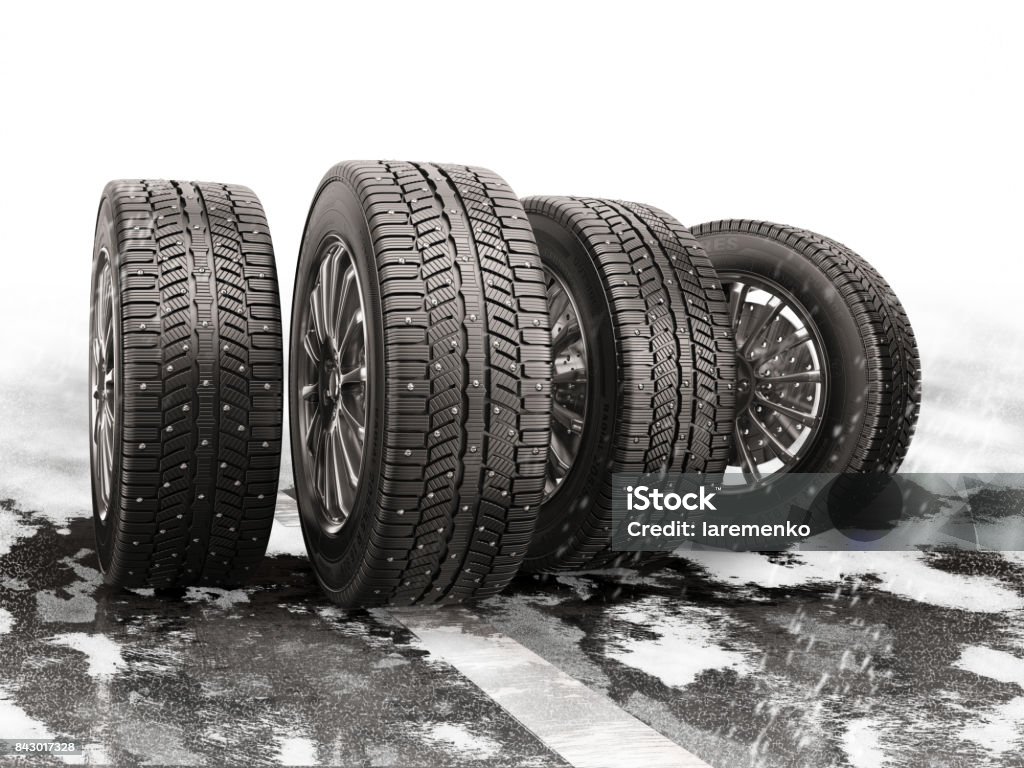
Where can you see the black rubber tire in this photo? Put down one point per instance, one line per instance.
(661, 362)
(455, 315)
(871, 411)
(197, 398)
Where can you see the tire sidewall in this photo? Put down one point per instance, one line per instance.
(337, 558)
(565, 511)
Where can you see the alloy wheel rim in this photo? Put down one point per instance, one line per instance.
(782, 380)
(102, 384)
(334, 383)
(569, 383)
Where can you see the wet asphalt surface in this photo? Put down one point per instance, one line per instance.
(211, 676)
(744, 660)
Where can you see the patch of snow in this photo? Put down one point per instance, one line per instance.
(6, 621)
(103, 654)
(15, 723)
(861, 743)
(1014, 557)
(92, 754)
(12, 530)
(464, 743)
(221, 598)
(991, 663)
(1000, 729)
(391, 660)
(46, 462)
(296, 750)
(685, 643)
(79, 607)
(905, 574)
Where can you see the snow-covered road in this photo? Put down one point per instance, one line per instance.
(846, 659)
(816, 659)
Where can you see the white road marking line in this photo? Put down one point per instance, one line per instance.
(586, 728)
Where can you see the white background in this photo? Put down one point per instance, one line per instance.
(894, 128)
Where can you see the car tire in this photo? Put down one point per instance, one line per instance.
(858, 353)
(419, 372)
(185, 379)
(643, 383)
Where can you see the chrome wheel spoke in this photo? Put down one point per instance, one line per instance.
(351, 441)
(760, 324)
(801, 376)
(104, 459)
(311, 392)
(336, 475)
(807, 419)
(737, 297)
(574, 376)
(747, 463)
(781, 451)
(352, 420)
(791, 430)
(323, 302)
(97, 425)
(557, 453)
(788, 344)
(323, 481)
(353, 333)
(317, 316)
(568, 334)
(108, 348)
(103, 309)
(107, 418)
(355, 376)
(108, 446)
(559, 308)
(345, 299)
(566, 418)
(314, 435)
(312, 347)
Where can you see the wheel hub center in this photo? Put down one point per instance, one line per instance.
(333, 382)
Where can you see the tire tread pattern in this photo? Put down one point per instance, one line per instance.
(202, 383)
(467, 382)
(674, 349)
